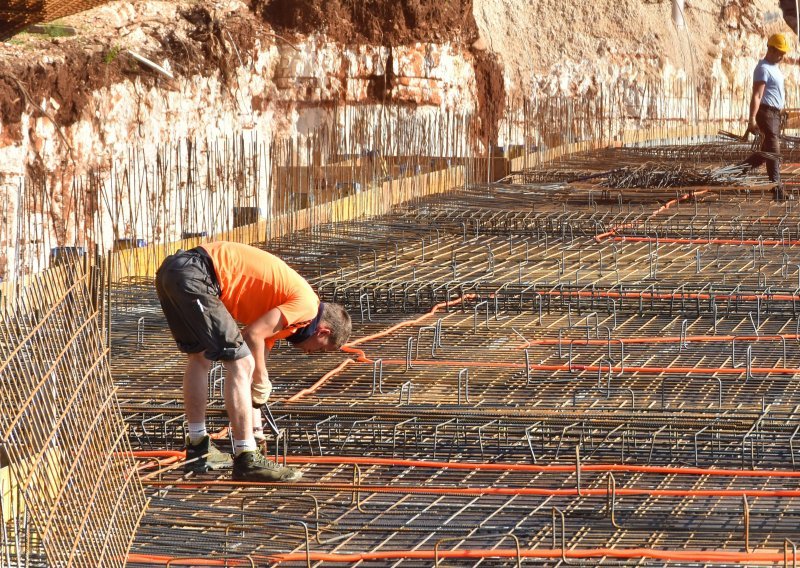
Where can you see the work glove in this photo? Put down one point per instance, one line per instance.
(260, 390)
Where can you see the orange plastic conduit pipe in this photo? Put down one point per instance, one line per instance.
(163, 560)
(693, 556)
(360, 355)
(156, 454)
(613, 231)
(668, 296)
(661, 339)
(362, 358)
(644, 295)
(699, 241)
(533, 468)
(582, 367)
(480, 491)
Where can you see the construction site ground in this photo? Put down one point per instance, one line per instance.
(576, 363)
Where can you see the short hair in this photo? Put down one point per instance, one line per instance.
(337, 319)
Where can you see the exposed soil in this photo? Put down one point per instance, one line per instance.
(201, 44)
(540, 39)
(196, 43)
(520, 43)
(491, 94)
(68, 81)
(397, 22)
(208, 45)
(384, 22)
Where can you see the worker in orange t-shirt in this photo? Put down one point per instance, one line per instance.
(204, 292)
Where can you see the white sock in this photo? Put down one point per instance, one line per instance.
(197, 431)
(248, 445)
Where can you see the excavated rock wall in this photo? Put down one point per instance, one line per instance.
(69, 106)
(275, 87)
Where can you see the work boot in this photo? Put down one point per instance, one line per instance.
(252, 466)
(204, 456)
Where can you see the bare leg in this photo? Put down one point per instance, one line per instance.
(201, 454)
(237, 396)
(258, 428)
(195, 387)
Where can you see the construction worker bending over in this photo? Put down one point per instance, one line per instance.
(204, 292)
(766, 105)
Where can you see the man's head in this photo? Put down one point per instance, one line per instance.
(332, 331)
(777, 47)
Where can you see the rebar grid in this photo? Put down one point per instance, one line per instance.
(712, 156)
(70, 495)
(345, 507)
(640, 340)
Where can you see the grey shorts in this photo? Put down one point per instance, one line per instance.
(189, 293)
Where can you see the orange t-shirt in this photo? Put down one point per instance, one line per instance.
(254, 281)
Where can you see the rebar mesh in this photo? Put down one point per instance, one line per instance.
(70, 493)
(624, 359)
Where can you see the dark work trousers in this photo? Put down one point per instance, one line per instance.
(768, 120)
(189, 293)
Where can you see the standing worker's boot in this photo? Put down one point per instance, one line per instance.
(204, 456)
(252, 466)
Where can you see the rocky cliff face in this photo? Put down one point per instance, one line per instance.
(142, 75)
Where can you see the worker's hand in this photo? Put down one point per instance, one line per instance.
(260, 389)
(752, 126)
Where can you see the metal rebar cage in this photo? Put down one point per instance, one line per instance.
(70, 492)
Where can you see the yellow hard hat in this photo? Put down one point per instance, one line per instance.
(779, 42)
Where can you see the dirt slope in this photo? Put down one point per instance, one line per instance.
(534, 37)
(517, 45)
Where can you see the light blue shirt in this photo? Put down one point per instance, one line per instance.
(772, 75)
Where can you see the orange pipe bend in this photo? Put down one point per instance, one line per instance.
(667, 205)
(361, 356)
(407, 323)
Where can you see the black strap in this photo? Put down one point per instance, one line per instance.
(305, 332)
